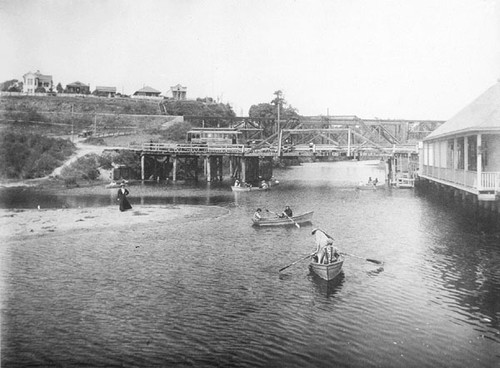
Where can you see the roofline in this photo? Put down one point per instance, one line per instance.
(467, 131)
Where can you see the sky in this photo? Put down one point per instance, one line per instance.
(387, 59)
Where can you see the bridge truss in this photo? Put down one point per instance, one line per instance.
(342, 134)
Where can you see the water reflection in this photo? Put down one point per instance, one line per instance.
(209, 292)
(324, 287)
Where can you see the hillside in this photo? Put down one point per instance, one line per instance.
(61, 103)
(119, 121)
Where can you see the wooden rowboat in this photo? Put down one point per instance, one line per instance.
(369, 186)
(327, 271)
(246, 189)
(284, 221)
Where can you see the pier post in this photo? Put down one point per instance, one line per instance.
(143, 158)
(174, 173)
(243, 169)
(209, 168)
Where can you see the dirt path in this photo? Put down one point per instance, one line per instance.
(81, 150)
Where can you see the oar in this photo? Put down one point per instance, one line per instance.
(352, 255)
(297, 261)
(288, 217)
(366, 259)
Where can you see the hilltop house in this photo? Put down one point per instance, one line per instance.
(78, 87)
(104, 91)
(178, 92)
(146, 92)
(37, 80)
(464, 152)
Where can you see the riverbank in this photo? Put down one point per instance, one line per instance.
(25, 224)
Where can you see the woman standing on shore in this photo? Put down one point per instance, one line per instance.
(122, 198)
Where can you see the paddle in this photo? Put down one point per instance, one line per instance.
(288, 217)
(352, 255)
(366, 259)
(297, 261)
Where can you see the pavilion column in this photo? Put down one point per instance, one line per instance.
(455, 159)
(466, 159)
(479, 161)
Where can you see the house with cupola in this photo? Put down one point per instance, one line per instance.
(34, 82)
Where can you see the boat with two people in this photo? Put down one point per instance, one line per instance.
(327, 261)
(247, 187)
(370, 185)
(281, 219)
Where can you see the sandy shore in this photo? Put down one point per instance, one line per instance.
(32, 223)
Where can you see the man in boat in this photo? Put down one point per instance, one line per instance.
(256, 215)
(325, 251)
(237, 183)
(287, 212)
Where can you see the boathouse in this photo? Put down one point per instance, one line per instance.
(463, 154)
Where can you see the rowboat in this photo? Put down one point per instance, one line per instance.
(327, 271)
(369, 186)
(115, 184)
(246, 189)
(284, 221)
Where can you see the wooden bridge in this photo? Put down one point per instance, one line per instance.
(320, 138)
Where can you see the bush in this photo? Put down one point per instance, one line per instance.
(86, 168)
(27, 155)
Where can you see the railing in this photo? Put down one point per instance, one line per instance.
(189, 148)
(489, 180)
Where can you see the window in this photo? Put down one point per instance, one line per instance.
(472, 153)
(460, 153)
(449, 156)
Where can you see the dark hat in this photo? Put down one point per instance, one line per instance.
(259, 210)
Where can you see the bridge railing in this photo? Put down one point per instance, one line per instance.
(187, 148)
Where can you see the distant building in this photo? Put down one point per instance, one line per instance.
(464, 152)
(178, 92)
(147, 92)
(104, 91)
(36, 80)
(78, 87)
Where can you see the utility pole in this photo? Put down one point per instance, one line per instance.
(72, 125)
(95, 122)
(278, 103)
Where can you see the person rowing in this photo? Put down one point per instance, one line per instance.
(325, 251)
(257, 216)
(287, 212)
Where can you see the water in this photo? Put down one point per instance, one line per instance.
(208, 293)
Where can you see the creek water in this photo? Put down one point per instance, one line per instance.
(209, 294)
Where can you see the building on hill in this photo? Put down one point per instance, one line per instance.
(464, 152)
(36, 81)
(78, 87)
(178, 92)
(102, 91)
(146, 92)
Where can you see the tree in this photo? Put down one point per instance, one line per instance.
(8, 85)
(59, 88)
(270, 110)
